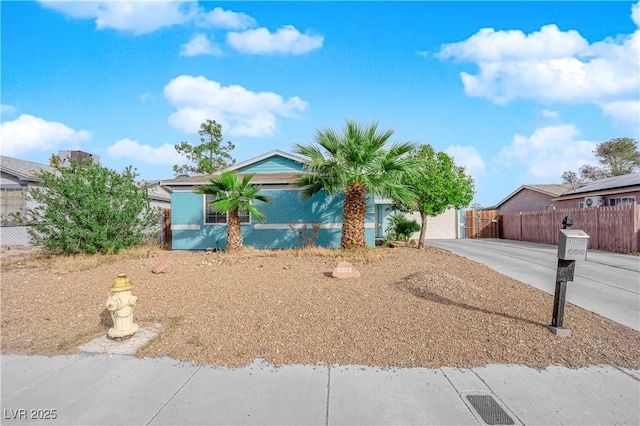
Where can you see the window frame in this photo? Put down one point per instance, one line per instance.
(17, 202)
(208, 211)
(621, 201)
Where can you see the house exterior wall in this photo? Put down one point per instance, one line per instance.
(189, 232)
(275, 164)
(443, 226)
(575, 202)
(526, 200)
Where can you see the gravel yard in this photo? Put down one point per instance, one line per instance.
(410, 307)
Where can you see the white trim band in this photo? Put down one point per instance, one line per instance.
(185, 227)
(299, 225)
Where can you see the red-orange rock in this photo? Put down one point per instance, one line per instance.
(162, 267)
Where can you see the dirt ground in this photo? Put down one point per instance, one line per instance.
(410, 307)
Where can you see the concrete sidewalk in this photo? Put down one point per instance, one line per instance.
(93, 389)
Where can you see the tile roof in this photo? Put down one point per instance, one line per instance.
(553, 190)
(265, 178)
(25, 170)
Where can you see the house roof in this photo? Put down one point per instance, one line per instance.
(614, 183)
(27, 171)
(275, 152)
(24, 170)
(552, 190)
(259, 178)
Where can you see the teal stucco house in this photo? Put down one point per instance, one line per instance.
(194, 226)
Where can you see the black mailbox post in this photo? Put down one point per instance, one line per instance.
(572, 246)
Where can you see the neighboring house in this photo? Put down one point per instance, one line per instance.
(16, 176)
(532, 198)
(612, 191)
(195, 226)
(159, 196)
(19, 175)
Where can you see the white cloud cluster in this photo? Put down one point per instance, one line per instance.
(142, 17)
(28, 133)
(553, 65)
(286, 40)
(127, 148)
(240, 111)
(468, 157)
(226, 19)
(548, 152)
(547, 113)
(200, 45)
(137, 16)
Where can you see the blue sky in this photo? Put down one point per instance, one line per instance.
(517, 92)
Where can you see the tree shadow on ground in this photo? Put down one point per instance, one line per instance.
(434, 297)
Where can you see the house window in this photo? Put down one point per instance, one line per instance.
(622, 200)
(245, 217)
(581, 205)
(11, 201)
(212, 217)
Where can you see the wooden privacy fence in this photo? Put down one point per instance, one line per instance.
(482, 224)
(613, 229)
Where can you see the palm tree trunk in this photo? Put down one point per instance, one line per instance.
(354, 211)
(234, 234)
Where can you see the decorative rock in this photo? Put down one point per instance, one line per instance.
(393, 244)
(413, 243)
(162, 267)
(345, 270)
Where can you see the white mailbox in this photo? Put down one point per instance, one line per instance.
(572, 244)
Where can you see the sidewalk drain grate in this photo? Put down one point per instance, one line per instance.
(490, 411)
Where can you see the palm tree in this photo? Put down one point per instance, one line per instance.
(231, 195)
(356, 163)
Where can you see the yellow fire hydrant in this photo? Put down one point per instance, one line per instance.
(121, 304)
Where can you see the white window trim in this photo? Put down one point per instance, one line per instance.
(206, 208)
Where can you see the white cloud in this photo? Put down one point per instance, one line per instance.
(28, 133)
(200, 45)
(635, 13)
(146, 97)
(625, 112)
(548, 152)
(468, 157)
(490, 46)
(138, 17)
(7, 110)
(127, 148)
(550, 65)
(286, 40)
(226, 19)
(240, 111)
(547, 113)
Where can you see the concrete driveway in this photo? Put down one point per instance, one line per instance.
(606, 283)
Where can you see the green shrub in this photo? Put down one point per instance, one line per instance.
(401, 228)
(87, 208)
